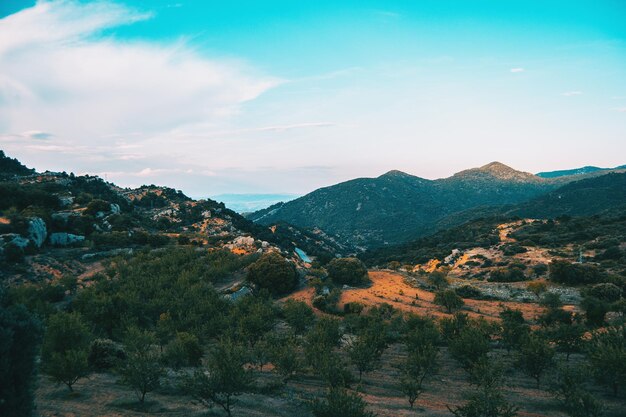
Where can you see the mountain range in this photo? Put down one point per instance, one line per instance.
(397, 207)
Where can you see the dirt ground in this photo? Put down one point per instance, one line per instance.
(390, 287)
(102, 395)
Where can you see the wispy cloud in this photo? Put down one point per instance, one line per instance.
(621, 109)
(572, 93)
(57, 74)
(517, 69)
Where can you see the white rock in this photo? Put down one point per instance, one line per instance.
(65, 239)
(37, 231)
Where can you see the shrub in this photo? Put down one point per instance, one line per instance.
(606, 292)
(507, 275)
(449, 300)
(565, 272)
(184, 350)
(274, 273)
(468, 291)
(298, 315)
(340, 403)
(105, 354)
(350, 271)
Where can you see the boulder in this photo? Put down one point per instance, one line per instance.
(65, 239)
(37, 231)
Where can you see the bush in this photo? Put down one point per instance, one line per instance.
(298, 315)
(274, 273)
(349, 271)
(468, 291)
(507, 275)
(449, 300)
(568, 273)
(104, 354)
(606, 292)
(353, 307)
(340, 403)
(184, 350)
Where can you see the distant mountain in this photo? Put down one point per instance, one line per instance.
(604, 197)
(579, 198)
(577, 171)
(396, 207)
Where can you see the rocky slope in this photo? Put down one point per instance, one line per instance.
(63, 223)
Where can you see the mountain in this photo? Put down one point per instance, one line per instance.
(577, 171)
(598, 204)
(396, 207)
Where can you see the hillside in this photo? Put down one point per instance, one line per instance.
(396, 207)
(577, 171)
(603, 196)
(60, 223)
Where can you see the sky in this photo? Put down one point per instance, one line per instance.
(215, 97)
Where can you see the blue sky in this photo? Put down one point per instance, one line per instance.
(287, 96)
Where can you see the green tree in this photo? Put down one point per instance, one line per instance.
(607, 354)
(274, 273)
(420, 363)
(298, 315)
(223, 379)
(570, 389)
(286, 358)
(364, 353)
(142, 369)
(535, 357)
(449, 300)
(340, 403)
(568, 337)
(350, 271)
(20, 336)
(514, 328)
(252, 317)
(65, 348)
(487, 399)
(470, 346)
(184, 350)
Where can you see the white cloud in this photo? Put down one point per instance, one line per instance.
(517, 70)
(59, 74)
(621, 109)
(572, 93)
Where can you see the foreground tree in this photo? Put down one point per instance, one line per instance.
(298, 315)
(65, 348)
(142, 369)
(487, 399)
(223, 379)
(570, 389)
(607, 354)
(536, 356)
(341, 403)
(20, 335)
(470, 346)
(419, 364)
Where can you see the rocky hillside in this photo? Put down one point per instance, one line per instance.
(62, 223)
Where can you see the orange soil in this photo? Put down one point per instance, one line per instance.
(390, 287)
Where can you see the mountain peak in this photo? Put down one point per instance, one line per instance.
(396, 173)
(499, 171)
